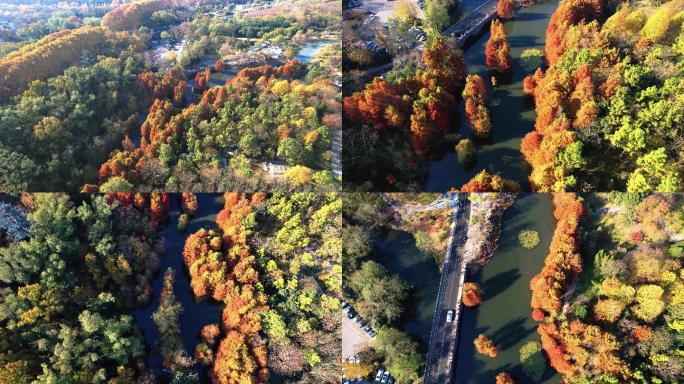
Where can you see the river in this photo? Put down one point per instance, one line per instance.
(512, 113)
(195, 314)
(504, 315)
(396, 250)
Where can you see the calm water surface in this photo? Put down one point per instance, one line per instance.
(511, 112)
(308, 51)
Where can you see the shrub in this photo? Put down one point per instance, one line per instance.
(579, 311)
(676, 249)
(528, 238)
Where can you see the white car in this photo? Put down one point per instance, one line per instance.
(450, 316)
(378, 376)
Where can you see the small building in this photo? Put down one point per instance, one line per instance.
(276, 168)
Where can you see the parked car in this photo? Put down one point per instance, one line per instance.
(385, 378)
(378, 376)
(351, 315)
(357, 359)
(345, 305)
(367, 328)
(450, 316)
(372, 333)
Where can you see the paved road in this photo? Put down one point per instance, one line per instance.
(444, 335)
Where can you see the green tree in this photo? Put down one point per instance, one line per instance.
(356, 245)
(380, 295)
(533, 361)
(116, 184)
(17, 172)
(401, 354)
(437, 13)
(292, 151)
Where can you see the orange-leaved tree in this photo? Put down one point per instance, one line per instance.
(497, 50)
(505, 9)
(475, 96)
(485, 346)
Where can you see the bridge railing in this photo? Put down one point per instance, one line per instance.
(474, 19)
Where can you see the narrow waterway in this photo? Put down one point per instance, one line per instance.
(396, 250)
(511, 111)
(195, 314)
(504, 316)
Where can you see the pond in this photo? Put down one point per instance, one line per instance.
(310, 49)
(396, 250)
(511, 111)
(504, 316)
(195, 314)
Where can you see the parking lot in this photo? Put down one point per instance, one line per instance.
(354, 339)
(382, 8)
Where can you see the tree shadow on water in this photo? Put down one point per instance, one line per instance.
(499, 283)
(511, 333)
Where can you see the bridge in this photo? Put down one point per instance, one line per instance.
(472, 23)
(444, 335)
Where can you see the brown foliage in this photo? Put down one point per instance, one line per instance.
(231, 278)
(49, 56)
(504, 378)
(130, 16)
